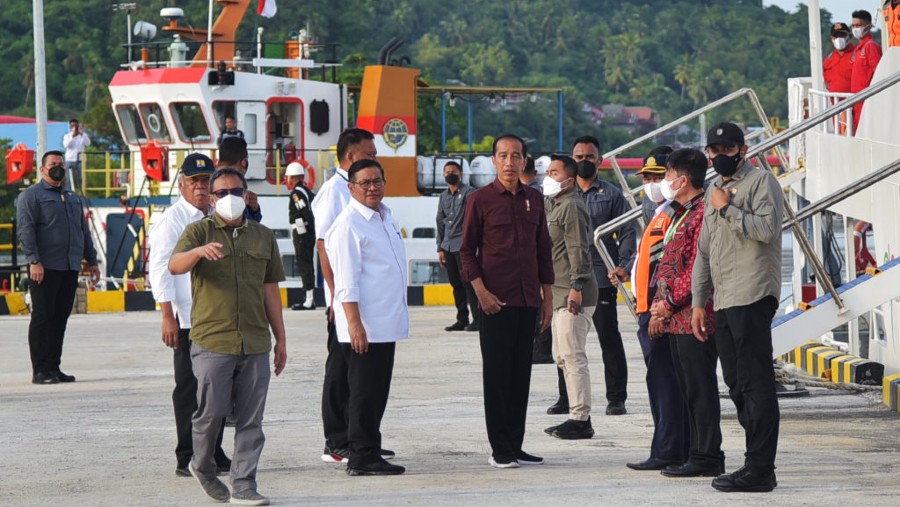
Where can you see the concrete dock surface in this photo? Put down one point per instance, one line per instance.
(109, 438)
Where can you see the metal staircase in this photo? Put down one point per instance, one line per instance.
(858, 297)
(838, 305)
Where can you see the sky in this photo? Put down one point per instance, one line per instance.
(840, 9)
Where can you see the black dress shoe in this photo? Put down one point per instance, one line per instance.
(182, 471)
(652, 464)
(456, 326)
(542, 359)
(381, 467)
(616, 408)
(472, 327)
(560, 407)
(745, 480)
(44, 378)
(690, 469)
(63, 377)
(574, 430)
(223, 465)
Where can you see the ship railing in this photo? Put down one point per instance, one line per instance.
(158, 55)
(771, 141)
(841, 124)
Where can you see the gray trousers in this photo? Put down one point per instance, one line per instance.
(218, 375)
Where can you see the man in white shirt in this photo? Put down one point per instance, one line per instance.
(74, 142)
(334, 195)
(368, 262)
(173, 293)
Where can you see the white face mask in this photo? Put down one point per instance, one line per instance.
(653, 191)
(840, 43)
(665, 187)
(230, 207)
(551, 187)
(860, 31)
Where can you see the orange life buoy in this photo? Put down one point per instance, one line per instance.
(309, 180)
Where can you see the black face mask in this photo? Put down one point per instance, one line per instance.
(56, 173)
(726, 165)
(452, 179)
(586, 169)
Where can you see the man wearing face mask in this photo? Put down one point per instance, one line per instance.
(604, 202)
(54, 237)
(233, 153)
(574, 292)
(671, 440)
(670, 316)
(235, 269)
(838, 65)
(739, 255)
(865, 59)
(450, 215)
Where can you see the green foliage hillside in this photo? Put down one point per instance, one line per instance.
(670, 55)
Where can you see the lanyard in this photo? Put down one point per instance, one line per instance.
(671, 231)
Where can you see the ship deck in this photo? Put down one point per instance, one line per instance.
(109, 438)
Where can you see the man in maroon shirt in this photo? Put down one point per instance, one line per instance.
(506, 257)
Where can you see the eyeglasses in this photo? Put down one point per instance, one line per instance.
(237, 192)
(366, 184)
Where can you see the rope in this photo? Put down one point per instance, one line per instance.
(785, 374)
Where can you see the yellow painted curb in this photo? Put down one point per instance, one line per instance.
(437, 295)
(15, 302)
(105, 301)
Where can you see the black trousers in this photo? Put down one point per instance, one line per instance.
(369, 378)
(695, 366)
(671, 437)
(744, 342)
(463, 293)
(543, 341)
(303, 252)
(615, 366)
(335, 392)
(184, 400)
(51, 304)
(506, 340)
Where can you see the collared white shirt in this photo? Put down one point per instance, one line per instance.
(164, 234)
(75, 145)
(328, 204)
(369, 263)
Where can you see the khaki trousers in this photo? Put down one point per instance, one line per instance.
(569, 336)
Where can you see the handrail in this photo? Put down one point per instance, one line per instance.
(843, 193)
(772, 142)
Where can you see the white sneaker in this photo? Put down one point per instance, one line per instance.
(501, 464)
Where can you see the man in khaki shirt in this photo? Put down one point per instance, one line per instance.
(739, 255)
(574, 292)
(235, 269)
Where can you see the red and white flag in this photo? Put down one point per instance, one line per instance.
(266, 8)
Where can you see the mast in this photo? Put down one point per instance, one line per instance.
(815, 45)
(40, 79)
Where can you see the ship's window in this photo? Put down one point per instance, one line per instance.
(189, 122)
(131, 124)
(250, 128)
(153, 118)
(221, 109)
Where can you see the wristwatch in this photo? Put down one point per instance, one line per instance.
(578, 285)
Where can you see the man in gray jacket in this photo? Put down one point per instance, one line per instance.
(739, 255)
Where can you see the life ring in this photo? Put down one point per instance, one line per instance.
(154, 123)
(863, 257)
(309, 179)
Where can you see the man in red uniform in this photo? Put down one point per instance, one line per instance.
(865, 58)
(838, 65)
(890, 9)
